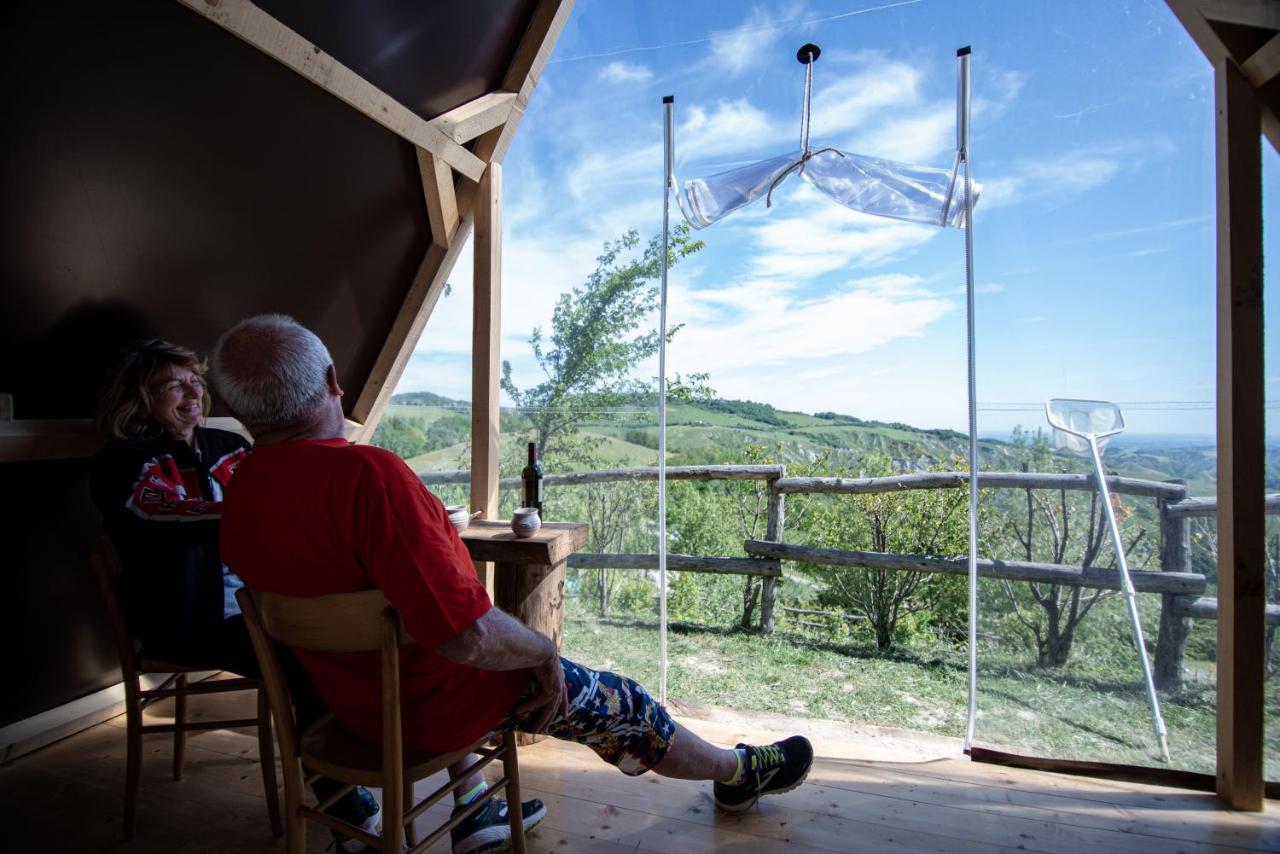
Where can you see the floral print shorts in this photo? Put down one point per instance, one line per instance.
(611, 714)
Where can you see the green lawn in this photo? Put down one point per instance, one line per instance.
(1020, 707)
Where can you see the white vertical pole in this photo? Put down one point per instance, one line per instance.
(962, 146)
(668, 149)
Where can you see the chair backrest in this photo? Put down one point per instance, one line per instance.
(339, 622)
(106, 571)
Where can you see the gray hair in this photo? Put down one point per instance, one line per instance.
(271, 371)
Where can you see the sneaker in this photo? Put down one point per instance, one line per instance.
(489, 828)
(771, 770)
(359, 808)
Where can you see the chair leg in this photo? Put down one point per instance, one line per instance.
(133, 760)
(267, 759)
(515, 804)
(295, 824)
(410, 833)
(179, 736)
(392, 811)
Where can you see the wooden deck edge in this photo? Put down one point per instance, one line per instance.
(1171, 777)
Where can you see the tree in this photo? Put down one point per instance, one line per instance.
(594, 346)
(1054, 612)
(930, 522)
(401, 436)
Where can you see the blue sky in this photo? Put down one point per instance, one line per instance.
(1092, 136)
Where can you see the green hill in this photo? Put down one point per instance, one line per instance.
(719, 431)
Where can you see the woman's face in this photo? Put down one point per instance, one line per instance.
(177, 400)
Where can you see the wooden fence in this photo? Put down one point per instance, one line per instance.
(1181, 590)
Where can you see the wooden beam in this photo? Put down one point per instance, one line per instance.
(442, 204)
(481, 115)
(421, 300)
(1241, 446)
(249, 23)
(1264, 64)
(522, 78)
(1264, 14)
(486, 355)
(1188, 13)
(538, 41)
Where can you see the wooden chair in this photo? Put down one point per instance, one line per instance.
(106, 570)
(361, 622)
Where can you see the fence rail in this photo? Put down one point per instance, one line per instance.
(1180, 588)
(1178, 583)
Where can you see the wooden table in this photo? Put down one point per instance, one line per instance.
(528, 573)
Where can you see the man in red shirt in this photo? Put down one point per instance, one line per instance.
(310, 514)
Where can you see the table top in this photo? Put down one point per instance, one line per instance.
(494, 541)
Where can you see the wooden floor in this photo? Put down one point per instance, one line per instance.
(869, 791)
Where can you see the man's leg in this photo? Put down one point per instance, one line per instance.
(618, 719)
(691, 758)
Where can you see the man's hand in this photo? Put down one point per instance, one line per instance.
(498, 641)
(552, 697)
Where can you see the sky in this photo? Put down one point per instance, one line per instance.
(1092, 136)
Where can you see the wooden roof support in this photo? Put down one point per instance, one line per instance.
(486, 356)
(249, 23)
(442, 203)
(1195, 15)
(1241, 442)
(1264, 14)
(526, 67)
(465, 123)
(1264, 64)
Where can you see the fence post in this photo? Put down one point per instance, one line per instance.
(773, 533)
(1175, 556)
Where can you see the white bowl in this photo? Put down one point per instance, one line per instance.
(459, 516)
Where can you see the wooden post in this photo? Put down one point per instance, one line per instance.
(773, 532)
(485, 356)
(1175, 556)
(1241, 401)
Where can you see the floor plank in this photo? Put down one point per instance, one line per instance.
(68, 797)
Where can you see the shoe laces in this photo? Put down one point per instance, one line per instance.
(768, 756)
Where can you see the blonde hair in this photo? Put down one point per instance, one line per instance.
(124, 407)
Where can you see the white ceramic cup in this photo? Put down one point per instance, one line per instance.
(525, 522)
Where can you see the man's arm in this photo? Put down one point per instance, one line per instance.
(497, 641)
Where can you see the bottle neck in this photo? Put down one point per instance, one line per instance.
(533, 453)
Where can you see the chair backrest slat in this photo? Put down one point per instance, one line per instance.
(339, 622)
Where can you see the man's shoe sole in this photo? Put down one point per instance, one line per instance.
(496, 839)
(746, 805)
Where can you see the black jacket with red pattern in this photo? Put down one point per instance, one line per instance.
(161, 503)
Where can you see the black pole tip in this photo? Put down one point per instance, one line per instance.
(964, 51)
(809, 53)
(668, 99)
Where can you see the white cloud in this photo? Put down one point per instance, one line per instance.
(624, 72)
(749, 44)
(777, 328)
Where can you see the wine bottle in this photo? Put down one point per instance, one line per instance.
(532, 477)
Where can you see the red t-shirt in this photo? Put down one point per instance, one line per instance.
(315, 517)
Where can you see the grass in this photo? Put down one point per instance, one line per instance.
(1065, 713)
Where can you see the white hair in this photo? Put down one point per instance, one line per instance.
(271, 371)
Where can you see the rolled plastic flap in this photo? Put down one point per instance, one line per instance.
(712, 199)
(888, 188)
(867, 184)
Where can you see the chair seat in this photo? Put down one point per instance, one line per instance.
(335, 751)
